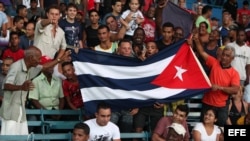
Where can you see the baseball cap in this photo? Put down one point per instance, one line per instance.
(80, 12)
(44, 60)
(179, 129)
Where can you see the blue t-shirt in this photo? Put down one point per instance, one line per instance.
(73, 31)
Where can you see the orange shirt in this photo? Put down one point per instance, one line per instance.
(223, 77)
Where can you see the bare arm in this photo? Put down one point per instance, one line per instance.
(37, 104)
(84, 37)
(26, 86)
(4, 29)
(247, 73)
(196, 135)
(199, 47)
(229, 90)
(156, 137)
(41, 3)
(70, 103)
(61, 103)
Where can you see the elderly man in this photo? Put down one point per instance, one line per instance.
(224, 78)
(16, 86)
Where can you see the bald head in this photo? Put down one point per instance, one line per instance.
(31, 51)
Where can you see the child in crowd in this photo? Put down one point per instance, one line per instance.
(137, 18)
(18, 25)
(71, 88)
(80, 132)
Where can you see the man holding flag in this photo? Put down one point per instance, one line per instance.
(224, 79)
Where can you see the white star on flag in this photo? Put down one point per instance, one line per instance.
(179, 72)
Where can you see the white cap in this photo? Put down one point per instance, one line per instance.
(179, 129)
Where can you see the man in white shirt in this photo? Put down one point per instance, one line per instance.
(241, 60)
(49, 37)
(101, 129)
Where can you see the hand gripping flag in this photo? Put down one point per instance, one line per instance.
(173, 73)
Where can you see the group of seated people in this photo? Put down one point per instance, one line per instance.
(131, 33)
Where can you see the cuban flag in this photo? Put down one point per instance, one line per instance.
(124, 83)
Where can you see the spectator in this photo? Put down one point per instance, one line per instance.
(104, 36)
(207, 130)
(90, 37)
(137, 18)
(116, 12)
(243, 14)
(28, 39)
(224, 80)
(116, 33)
(13, 51)
(149, 24)
(237, 108)
(226, 23)
(214, 23)
(205, 17)
(47, 92)
(125, 48)
(176, 132)
(203, 34)
(22, 11)
(197, 7)
(17, 84)
(138, 44)
(211, 48)
(49, 37)
(63, 8)
(81, 132)
(151, 49)
(168, 36)
(71, 87)
(73, 29)
(232, 33)
(80, 18)
(34, 10)
(3, 21)
(241, 61)
(100, 127)
(179, 116)
(18, 25)
(231, 6)
(5, 66)
(178, 33)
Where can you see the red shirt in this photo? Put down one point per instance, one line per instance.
(91, 5)
(149, 28)
(15, 55)
(241, 12)
(223, 77)
(73, 91)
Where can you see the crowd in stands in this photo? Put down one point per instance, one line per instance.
(38, 36)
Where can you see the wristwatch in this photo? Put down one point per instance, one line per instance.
(58, 60)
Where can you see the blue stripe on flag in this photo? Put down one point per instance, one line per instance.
(140, 84)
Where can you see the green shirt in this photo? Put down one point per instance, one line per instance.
(203, 19)
(47, 94)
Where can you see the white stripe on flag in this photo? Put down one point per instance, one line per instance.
(122, 72)
(103, 93)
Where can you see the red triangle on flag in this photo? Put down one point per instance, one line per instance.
(183, 72)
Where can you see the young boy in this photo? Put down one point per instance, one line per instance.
(71, 88)
(73, 29)
(13, 51)
(81, 132)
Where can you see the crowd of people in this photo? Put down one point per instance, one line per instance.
(37, 38)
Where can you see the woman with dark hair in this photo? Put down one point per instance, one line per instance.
(207, 130)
